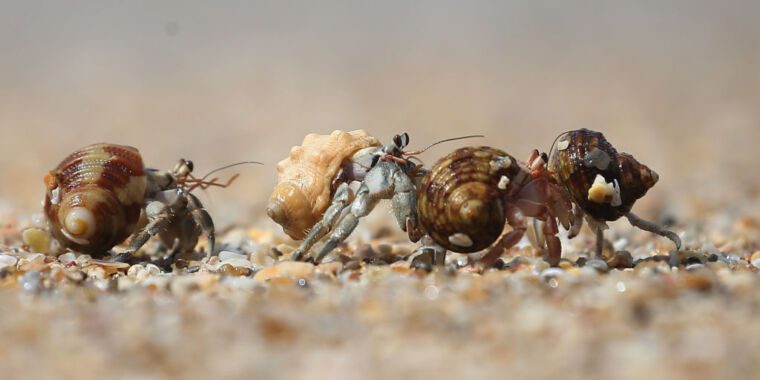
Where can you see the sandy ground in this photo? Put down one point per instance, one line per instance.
(675, 83)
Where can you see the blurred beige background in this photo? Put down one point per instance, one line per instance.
(676, 83)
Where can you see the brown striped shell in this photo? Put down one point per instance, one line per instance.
(460, 204)
(95, 196)
(304, 188)
(588, 165)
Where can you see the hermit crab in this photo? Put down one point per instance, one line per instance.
(314, 196)
(468, 195)
(603, 182)
(96, 195)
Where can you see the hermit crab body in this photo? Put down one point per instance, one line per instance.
(314, 196)
(96, 195)
(603, 182)
(468, 195)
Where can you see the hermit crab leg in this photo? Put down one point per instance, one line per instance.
(158, 217)
(203, 220)
(599, 243)
(340, 200)
(404, 204)
(553, 245)
(653, 228)
(361, 206)
(516, 219)
(384, 181)
(577, 224)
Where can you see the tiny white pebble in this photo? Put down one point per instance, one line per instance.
(7, 261)
(153, 269)
(229, 255)
(67, 258)
(431, 292)
(460, 239)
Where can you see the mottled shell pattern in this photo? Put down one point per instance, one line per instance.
(304, 188)
(604, 182)
(461, 202)
(95, 196)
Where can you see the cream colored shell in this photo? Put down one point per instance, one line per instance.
(303, 190)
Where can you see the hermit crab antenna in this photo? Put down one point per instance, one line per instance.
(551, 149)
(416, 152)
(203, 183)
(230, 166)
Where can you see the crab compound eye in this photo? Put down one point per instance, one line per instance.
(401, 140)
(404, 140)
(183, 168)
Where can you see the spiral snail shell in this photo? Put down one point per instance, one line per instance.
(604, 182)
(461, 201)
(306, 177)
(95, 196)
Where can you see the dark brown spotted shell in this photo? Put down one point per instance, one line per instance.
(579, 156)
(460, 201)
(95, 196)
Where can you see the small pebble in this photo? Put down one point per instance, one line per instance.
(287, 269)
(621, 260)
(67, 258)
(227, 269)
(755, 259)
(7, 261)
(229, 255)
(597, 264)
(37, 239)
(332, 268)
(75, 275)
(237, 262)
(261, 258)
(31, 281)
(551, 273)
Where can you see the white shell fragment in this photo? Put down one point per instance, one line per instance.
(500, 163)
(602, 191)
(503, 182)
(460, 239)
(562, 145)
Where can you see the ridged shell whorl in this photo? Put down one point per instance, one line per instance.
(304, 187)
(583, 160)
(460, 205)
(95, 196)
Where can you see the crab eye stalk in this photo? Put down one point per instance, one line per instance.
(183, 168)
